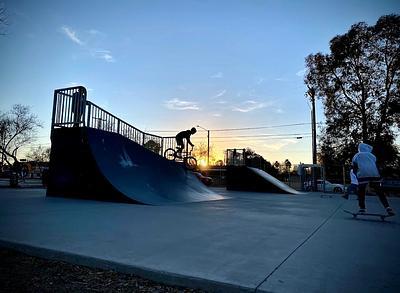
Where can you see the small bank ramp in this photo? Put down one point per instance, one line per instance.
(252, 179)
(95, 164)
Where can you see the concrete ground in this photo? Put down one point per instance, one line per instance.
(249, 242)
(22, 183)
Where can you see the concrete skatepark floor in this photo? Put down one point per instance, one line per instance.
(250, 242)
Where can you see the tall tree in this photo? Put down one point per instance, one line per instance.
(359, 85)
(17, 128)
(200, 152)
(255, 160)
(288, 165)
(39, 154)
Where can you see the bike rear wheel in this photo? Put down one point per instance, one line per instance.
(170, 154)
(190, 163)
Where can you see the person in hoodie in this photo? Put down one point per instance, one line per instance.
(353, 188)
(364, 164)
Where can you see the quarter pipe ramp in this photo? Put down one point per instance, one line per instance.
(253, 179)
(95, 164)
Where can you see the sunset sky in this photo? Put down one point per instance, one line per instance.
(170, 65)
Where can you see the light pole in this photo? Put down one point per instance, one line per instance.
(311, 94)
(208, 144)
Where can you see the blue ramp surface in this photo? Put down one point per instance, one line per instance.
(108, 166)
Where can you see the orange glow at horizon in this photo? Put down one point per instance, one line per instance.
(202, 163)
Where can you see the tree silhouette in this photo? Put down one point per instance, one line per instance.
(288, 165)
(359, 85)
(200, 152)
(39, 154)
(255, 160)
(17, 128)
(153, 146)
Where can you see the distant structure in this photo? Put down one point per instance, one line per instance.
(241, 177)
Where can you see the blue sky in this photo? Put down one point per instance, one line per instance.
(170, 65)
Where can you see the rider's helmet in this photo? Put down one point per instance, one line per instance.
(193, 130)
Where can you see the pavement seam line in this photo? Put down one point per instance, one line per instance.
(298, 247)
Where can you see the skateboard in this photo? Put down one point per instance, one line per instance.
(355, 215)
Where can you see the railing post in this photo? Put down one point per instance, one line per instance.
(89, 106)
(118, 125)
(143, 138)
(82, 92)
(53, 116)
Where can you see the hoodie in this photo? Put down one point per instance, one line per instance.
(353, 177)
(366, 162)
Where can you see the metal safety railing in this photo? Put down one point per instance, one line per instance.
(235, 157)
(71, 109)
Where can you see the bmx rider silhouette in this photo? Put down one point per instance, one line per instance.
(179, 140)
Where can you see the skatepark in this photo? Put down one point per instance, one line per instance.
(114, 203)
(96, 155)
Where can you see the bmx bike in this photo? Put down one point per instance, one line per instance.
(189, 161)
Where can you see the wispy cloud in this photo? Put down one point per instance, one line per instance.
(95, 32)
(301, 73)
(177, 104)
(103, 54)
(71, 34)
(276, 146)
(181, 88)
(260, 80)
(248, 106)
(216, 115)
(220, 94)
(217, 75)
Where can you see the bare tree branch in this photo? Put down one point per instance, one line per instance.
(17, 128)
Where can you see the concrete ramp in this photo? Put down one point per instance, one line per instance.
(271, 179)
(252, 179)
(95, 164)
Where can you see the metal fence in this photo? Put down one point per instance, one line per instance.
(71, 109)
(235, 157)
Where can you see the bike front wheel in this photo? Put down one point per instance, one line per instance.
(190, 163)
(170, 154)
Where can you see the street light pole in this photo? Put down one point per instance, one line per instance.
(208, 148)
(311, 93)
(208, 144)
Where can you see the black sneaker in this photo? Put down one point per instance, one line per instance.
(345, 196)
(390, 211)
(362, 211)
